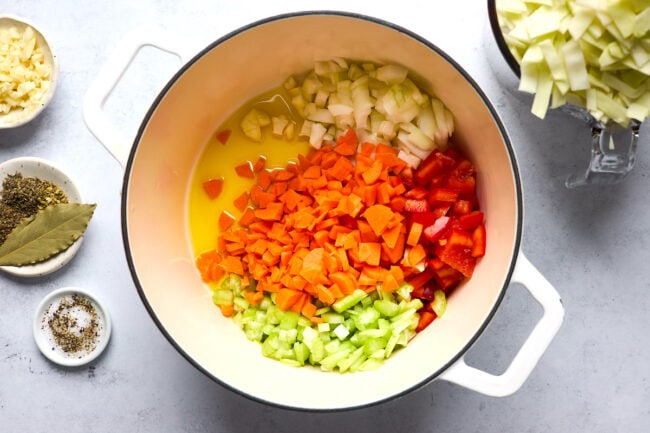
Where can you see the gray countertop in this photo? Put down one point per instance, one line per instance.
(592, 244)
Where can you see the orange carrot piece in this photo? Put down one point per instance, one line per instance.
(225, 220)
(253, 298)
(213, 187)
(241, 201)
(347, 143)
(223, 136)
(370, 253)
(391, 234)
(259, 164)
(414, 234)
(247, 218)
(272, 212)
(245, 170)
(378, 216)
(233, 265)
(227, 309)
(372, 174)
(264, 179)
(285, 298)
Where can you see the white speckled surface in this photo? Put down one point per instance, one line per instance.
(591, 244)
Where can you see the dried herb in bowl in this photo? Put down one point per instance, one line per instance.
(37, 221)
(22, 197)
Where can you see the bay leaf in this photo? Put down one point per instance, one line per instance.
(45, 234)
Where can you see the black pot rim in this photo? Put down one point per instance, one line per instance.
(179, 74)
(500, 40)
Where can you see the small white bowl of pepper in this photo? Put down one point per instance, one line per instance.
(71, 327)
(42, 217)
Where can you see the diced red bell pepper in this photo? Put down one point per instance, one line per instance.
(421, 279)
(416, 206)
(444, 195)
(433, 232)
(426, 317)
(430, 167)
(426, 291)
(479, 241)
(457, 252)
(417, 193)
(447, 277)
(463, 177)
(471, 220)
(462, 207)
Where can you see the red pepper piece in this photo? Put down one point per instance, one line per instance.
(479, 241)
(471, 220)
(433, 232)
(457, 252)
(426, 317)
(444, 195)
(416, 206)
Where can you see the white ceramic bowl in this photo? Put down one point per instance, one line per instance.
(43, 335)
(46, 170)
(17, 118)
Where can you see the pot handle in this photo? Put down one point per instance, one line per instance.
(530, 352)
(110, 74)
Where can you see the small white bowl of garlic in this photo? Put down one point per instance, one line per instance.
(29, 63)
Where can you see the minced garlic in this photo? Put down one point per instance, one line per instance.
(24, 72)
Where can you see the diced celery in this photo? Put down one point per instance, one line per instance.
(288, 320)
(341, 331)
(366, 318)
(349, 301)
(222, 297)
(386, 308)
(439, 303)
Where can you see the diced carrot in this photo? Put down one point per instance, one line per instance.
(233, 265)
(347, 143)
(414, 234)
(245, 170)
(264, 179)
(272, 212)
(285, 298)
(223, 136)
(241, 201)
(372, 174)
(253, 298)
(259, 164)
(378, 216)
(227, 309)
(370, 253)
(213, 187)
(225, 220)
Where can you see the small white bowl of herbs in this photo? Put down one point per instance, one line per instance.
(42, 217)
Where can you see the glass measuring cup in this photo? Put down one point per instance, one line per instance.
(613, 147)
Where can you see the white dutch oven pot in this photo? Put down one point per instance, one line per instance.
(159, 164)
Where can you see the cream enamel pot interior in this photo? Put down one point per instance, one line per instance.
(159, 165)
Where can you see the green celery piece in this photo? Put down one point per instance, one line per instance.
(301, 351)
(232, 282)
(367, 318)
(222, 297)
(347, 362)
(349, 301)
(439, 303)
(386, 308)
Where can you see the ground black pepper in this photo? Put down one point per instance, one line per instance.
(75, 325)
(23, 197)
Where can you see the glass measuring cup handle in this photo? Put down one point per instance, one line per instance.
(613, 153)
